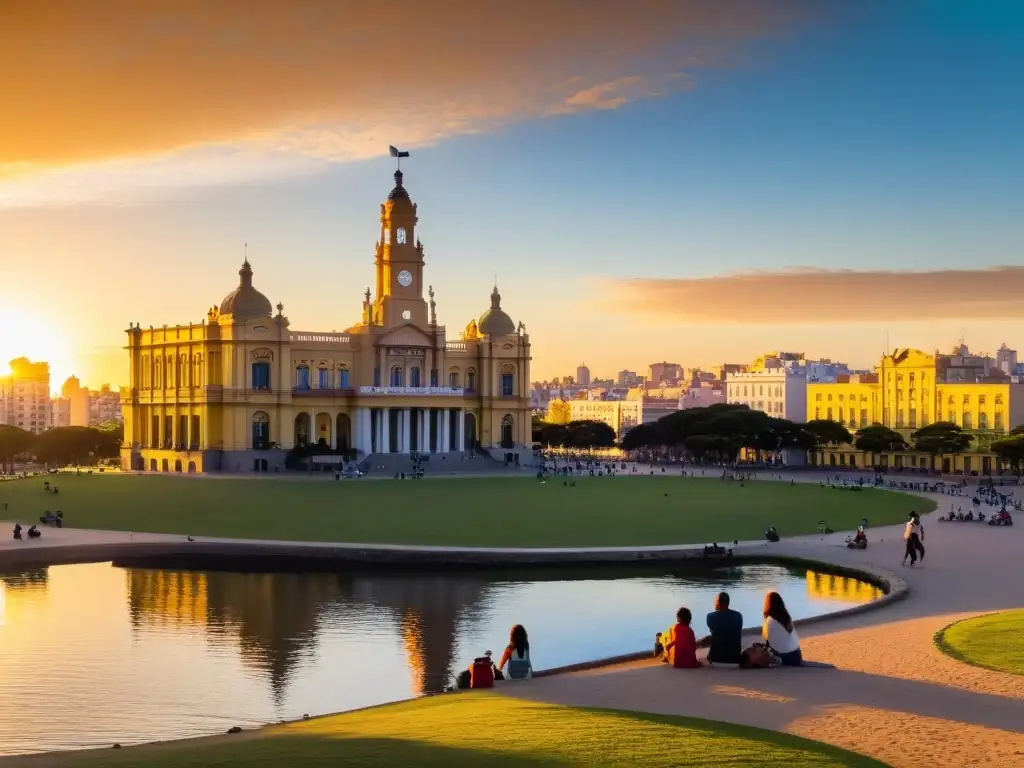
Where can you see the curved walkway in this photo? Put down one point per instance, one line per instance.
(893, 696)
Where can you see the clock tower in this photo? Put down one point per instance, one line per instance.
(399, 262)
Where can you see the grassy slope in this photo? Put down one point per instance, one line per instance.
(995, 641)
(473, 729)
(464, 511)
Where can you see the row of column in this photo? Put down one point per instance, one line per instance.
(372, 430)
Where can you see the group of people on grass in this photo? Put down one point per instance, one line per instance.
(781, 646)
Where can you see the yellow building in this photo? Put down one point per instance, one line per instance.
(238, 390)
(906, 393)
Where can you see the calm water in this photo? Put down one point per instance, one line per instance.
(93, 654)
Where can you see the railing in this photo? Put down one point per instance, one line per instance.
(457, 346)
(319, 338)
(433, 391)
(323, 392)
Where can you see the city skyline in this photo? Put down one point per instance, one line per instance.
(698, 183)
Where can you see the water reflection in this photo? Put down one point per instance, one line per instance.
(102, 654)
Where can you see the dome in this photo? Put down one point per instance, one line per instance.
(494, 322)
(245, 301)
(399, 193)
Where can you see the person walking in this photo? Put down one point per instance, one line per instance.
(912, 534)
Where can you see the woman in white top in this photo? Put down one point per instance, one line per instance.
(778, 631)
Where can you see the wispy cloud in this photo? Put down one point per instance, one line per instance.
(822, 297)
(114, 79)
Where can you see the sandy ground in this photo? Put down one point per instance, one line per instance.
(893, 696)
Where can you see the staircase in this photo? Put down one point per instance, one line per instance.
(455, 462)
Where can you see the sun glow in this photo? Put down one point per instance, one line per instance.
(27, 334)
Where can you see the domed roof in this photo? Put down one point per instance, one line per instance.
(245, 301)
(494, 322)
(399, 192)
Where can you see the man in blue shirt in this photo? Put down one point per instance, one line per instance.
(726, 627)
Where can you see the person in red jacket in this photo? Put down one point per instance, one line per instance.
(682, 646)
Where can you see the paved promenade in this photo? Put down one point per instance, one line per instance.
(894, 696)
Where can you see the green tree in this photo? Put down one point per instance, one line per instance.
(76, 445)
(824, 432)
(878, 439)
(13, 442)
(1010, 450)
(940, 438)
(588, 434)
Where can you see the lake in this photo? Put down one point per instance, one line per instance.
(96, 654)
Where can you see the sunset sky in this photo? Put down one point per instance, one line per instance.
(690, 181)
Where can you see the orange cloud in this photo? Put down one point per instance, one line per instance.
(818, 296)
(95, 81)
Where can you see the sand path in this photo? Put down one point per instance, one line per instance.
(894, 696)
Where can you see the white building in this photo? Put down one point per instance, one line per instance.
(779, 392)
(25, 396)
(620, 415)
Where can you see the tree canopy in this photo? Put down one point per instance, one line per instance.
(941, 437)
(76, 445)
(584, 434)
(719, 432)
(13, 441)
(828, 432)
(1010, 449)
(879, 439)
(559, 412)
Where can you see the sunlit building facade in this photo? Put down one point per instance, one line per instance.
(25, 396)
(909, 391)
(238, 390)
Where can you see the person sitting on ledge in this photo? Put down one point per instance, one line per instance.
(517, 655)
(33, 533)
(860, 541)
(726, 627)
(682, 645)
(778, 631)
(771, 534)
(17, 530)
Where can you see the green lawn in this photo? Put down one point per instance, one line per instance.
(994, 641)
(472, 729)
(598, 511)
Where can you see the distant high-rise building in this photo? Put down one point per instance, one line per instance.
(626, 378)
(104, 405)
(1006, 359)
(25, 396)
(78, 398)
(669, 373)
(583, 376)
(60, 412)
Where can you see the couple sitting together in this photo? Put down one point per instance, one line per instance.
(781, 644)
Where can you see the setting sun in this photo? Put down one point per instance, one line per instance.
(29, 335)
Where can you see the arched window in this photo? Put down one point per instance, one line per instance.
(199, 371)
(414, 376)
(343, 379)
(471, 380)
(157, 374)
(261, 375)
(967, 420)
(323, 377)
(396, 376)
(507, 431)
(453, 378)
(508, 381)
(982, 420)
(302, 377)
(260, 430)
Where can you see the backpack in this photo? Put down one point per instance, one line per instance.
(481, 673)
(757, 656)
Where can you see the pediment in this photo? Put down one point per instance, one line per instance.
(407, 335)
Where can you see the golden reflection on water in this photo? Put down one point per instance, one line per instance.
(831, 587)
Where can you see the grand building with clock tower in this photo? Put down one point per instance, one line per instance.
(241, 391)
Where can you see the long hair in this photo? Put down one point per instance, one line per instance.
(517, 639)
(774, 608)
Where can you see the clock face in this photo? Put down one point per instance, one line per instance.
(407, 315)
(404, 278)
(400, 235)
